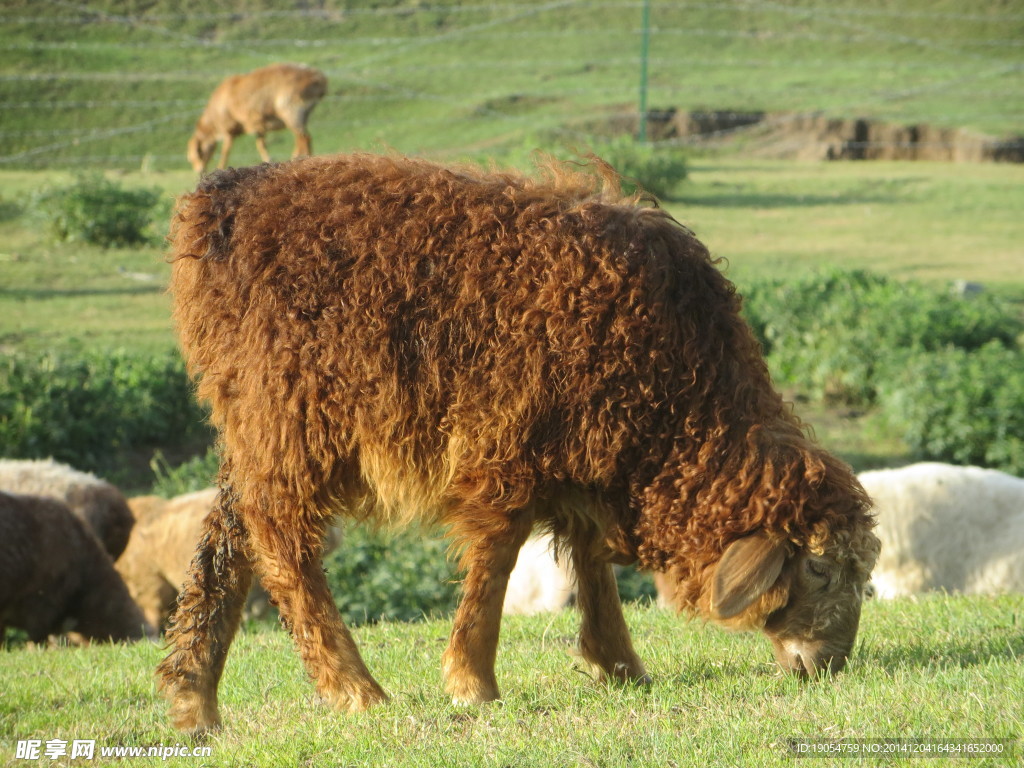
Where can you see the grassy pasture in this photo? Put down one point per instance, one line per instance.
(119, 84)
(938, 668)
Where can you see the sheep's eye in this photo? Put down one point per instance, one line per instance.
(817, 568)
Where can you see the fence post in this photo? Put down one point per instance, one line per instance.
(644, 46)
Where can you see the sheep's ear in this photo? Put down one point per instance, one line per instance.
(749, 566)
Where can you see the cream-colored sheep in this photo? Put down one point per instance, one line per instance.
(539, 583)
(160, 549)
(96, 502)
(165, 537)
(944, 527)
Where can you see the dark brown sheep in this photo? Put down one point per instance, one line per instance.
(385, 337)
(55, 577)
(96, 502)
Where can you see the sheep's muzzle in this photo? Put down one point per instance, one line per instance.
(807, 658)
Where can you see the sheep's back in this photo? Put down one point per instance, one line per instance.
(959, 529)
(96, 502)
(440, 324)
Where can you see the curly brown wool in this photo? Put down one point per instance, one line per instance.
(383, 337)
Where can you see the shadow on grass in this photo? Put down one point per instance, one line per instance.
(776, 200)
(1006, 645)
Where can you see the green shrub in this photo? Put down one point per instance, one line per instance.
(838, 334)
(94, 410)
(657, 170)
(99, 211)
(195, 474)
(964, 407)
(9, 209)
(381, 576)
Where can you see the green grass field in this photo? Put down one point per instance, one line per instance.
(120, 84)
(116, 85)
(939, 668)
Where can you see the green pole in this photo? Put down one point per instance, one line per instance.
(644, 46)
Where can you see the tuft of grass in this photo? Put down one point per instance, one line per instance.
(938, 667)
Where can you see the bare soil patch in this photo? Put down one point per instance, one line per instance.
(816, 136)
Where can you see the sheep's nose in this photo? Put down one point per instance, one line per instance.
(808, 659)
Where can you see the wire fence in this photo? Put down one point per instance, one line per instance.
(452, 79)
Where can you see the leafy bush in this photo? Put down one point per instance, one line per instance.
(657, 170)
(195, 474)
(91, 410)
(964, 407)
(380, 576)
(99, 211)
(9, 209)
(837, 334)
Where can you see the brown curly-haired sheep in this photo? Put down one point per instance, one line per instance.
(385, 337)
(96, 502)
(55, 576)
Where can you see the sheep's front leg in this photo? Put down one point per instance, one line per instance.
(225, 150)
(303, 144)
(261, 147)
(468, 662)
(604, 636)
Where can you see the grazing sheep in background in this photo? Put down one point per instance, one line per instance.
(540, 582)
(267, 99)
(98, 503)
(943, 527)
(155, 562)
(165, 537)
(383, 337)
(56, 578)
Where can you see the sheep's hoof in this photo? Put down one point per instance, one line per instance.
(467, 691)
(640, 681)
(196, 724)
(357, 700)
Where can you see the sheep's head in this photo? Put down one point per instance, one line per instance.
(200, 150)
(806, 599)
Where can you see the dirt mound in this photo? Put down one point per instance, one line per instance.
(814, 136)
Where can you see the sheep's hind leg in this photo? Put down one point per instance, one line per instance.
(604, 636)
(292, 572)
(303, 143)
(468, 662)
(206, 619)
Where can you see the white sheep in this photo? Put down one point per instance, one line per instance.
(944, 527)
(540, 582)
(96, 502)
